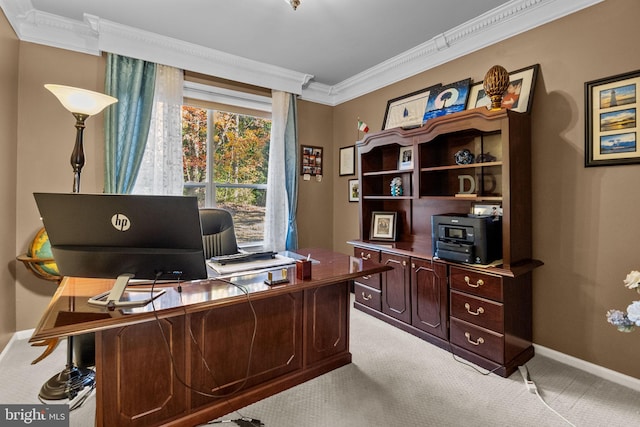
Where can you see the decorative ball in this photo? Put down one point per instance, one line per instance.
(464, 157)
(495, 83)
(41, 248)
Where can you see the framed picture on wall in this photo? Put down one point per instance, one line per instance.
(519, 94)
(348, 160)
(354, 190)
(311, 160)
(611, 122)
(383, 226)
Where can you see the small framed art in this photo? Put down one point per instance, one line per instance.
(383, 226)
(348, 160)
(407, 111)
(405, 160)
(311, 160)
(519, 94)
(354, 190)
(447, 99)
(611, 108)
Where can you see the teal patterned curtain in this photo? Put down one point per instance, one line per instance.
(127, 123)
(291, 171)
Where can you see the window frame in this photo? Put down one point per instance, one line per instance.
(235, 100)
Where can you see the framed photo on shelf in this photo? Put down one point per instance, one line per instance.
(408, 110)
(611, 108)
(383, 226)
(447, 99)
(311, 160)
(405, 159)
(519, 94)
(348, 160)
(354, 190)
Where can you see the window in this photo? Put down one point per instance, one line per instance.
(225, 164)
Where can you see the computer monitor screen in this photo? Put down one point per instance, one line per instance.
(124, 236)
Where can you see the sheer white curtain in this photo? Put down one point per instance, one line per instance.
(276, 220)
(161, 168)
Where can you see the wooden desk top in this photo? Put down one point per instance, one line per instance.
(69, 312)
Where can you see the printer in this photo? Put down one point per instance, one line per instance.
(471, 239)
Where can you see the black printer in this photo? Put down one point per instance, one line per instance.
(472, 239)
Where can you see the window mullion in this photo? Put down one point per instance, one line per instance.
(210, 193)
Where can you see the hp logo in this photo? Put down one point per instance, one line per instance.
(120, 222)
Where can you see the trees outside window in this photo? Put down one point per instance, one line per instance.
(225, 164)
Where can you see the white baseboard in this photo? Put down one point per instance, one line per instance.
(597, 370)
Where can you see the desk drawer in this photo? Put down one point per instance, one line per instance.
(478, 340)
(483, 285)
(369, 258)
(368, 296)
(479, 311)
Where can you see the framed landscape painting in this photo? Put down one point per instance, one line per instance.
(611, 122)
(447, 99)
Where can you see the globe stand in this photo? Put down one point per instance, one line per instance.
(67, 383)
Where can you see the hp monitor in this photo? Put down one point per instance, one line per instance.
(122, 237)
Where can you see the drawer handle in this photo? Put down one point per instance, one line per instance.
(479, 283)
(366, 297)
(363, 256)
(367, 277)
(479, 311)
(477, 342)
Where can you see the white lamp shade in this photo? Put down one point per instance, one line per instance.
(79, 100)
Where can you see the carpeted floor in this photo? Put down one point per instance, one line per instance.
(395, 380)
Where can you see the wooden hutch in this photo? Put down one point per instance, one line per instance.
(482, 314)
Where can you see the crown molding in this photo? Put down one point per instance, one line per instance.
(499, 24)
(94, 35)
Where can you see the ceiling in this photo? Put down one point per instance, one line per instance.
(331, 49)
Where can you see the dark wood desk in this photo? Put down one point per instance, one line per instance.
(195, 357)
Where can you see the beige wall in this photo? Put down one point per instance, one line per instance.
(315, 199)
(9, 46)
(46, 135)
(585, 219)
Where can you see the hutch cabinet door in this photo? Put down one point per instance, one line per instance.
(396, 294)
(430, 297)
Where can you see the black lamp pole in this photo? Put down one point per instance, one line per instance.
(77, 156)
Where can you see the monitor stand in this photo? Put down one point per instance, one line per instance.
(120, 296)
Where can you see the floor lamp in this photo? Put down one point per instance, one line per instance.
(82, 104)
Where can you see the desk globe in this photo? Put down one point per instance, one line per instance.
(39, 259)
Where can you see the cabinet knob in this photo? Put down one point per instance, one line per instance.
(479, 311)
(476, 342)
(366, 297)
(479, 283)
(413, 265)
(365, 256)
(404, 263)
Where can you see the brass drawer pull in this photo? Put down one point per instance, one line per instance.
(479, 311)
(479, 283)
(367, 277)
(477, 342)
(363, 256)
(366, 297)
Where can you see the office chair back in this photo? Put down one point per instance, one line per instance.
(218, 234)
